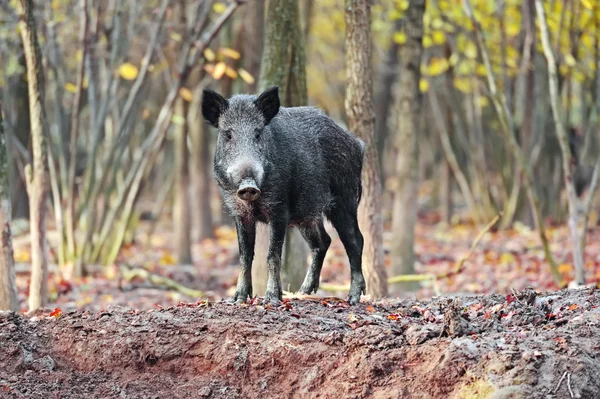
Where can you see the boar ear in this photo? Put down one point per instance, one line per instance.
(268, 103)
(213, 105)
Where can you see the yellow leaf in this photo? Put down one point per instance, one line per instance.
(471, 50)
(209, 55)
(231, 53)
(579, 76)
(175, 36)
(570, 60)
(437, 66)
(400, 37)
(483, 101)
(507, 258)
(176, 120)
(231, 73)
(403, 5)
(85, 82)
(70, 87)
(395, 15)
(78, 55)
(437, 23)
(587, 4)
(564, 268)
(55, 4)
(454, 59)
(186, 94)
(480, 70)
(427, 41)
(128, 71)
(439, 37)
(513, 29)
(219, 8)
(463, 84)
(219, 70)
(423, 85)
(246, 76)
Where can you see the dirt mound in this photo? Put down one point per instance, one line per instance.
(522, 345)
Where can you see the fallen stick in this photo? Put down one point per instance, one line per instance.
(426, 276)
(161, 281)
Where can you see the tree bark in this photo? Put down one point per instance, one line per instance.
(200, 167)
(408, 110)
(253, 26)
(36, 174)
(563, 139)
(383, 102)
(283, 65)
(361, 121)
(8, 285)
(181, 201)
(19, 108)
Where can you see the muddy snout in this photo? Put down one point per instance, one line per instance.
(248, 190)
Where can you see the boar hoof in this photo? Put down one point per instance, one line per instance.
(240, 297)
(272, 298)
(308, 289)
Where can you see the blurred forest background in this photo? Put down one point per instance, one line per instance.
(487, 121)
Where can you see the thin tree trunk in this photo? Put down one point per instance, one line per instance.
(181, 205)
(19, 107)
(383, 100)
(200, 166)
(361, 121)
(283, 65)
(37, 181)
(254, 26)
(8, 285)
(408, 110)
(563, 139)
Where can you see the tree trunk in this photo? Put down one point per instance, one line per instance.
(36, 175)
(200, 167)
(283, 65)
(361, 121)
(19, 108)
(387, 77)
(181, 201)
(8, 285)
(563, 139)
(254, 26)
(408, 110)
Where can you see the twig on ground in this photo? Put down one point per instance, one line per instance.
(129, 274)
(560, 382)
(569, 385)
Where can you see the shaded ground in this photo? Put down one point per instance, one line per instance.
(523, 345)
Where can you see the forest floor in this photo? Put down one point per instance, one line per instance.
(499, 329)
(522, 345)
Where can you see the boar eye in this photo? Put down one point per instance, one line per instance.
(257, 133)
(227, 134)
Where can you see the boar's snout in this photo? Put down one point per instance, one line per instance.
(248, 190)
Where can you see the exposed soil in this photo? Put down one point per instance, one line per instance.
(523, 345)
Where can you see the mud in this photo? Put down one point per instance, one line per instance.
(520, 345)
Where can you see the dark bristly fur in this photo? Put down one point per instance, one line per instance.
(306, 166)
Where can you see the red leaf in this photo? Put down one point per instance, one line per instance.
(574, 306)
(393, 316)
(510, 298)
(158, 306)
(56, 313)
(370, 309)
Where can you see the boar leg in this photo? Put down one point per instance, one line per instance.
(318, 240)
